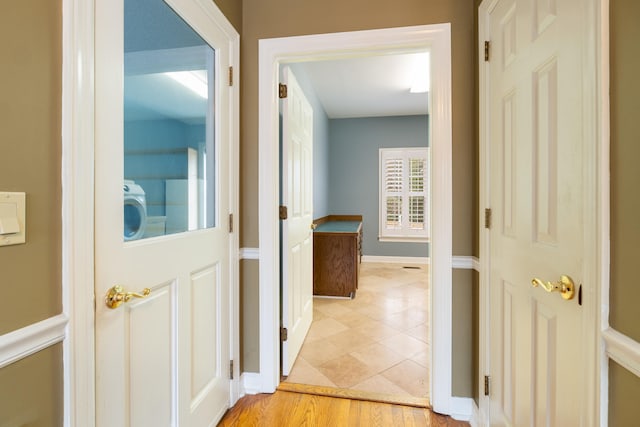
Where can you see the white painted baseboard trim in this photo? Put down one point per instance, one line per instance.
(624, 350)
(464, 409)
(396, 259)
(250, 383)
(24, 342)
(249, 253)
(465, 262)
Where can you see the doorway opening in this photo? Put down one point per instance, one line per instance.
(273, 52)
(370, 161)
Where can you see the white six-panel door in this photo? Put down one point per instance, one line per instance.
(162, 360)
(536, 190)
(297, 236)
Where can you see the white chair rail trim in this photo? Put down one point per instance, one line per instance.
(624, 350)
(465, 262)
(26, 341)
(249, 253)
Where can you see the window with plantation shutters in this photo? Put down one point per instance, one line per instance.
(404, 190)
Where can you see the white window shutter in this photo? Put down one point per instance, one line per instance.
(404, 191)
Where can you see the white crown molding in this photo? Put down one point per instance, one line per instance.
(396, 259)
(623, 349)
(24, 342)
(249, 253)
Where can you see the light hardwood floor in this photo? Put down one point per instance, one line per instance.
(287, 409)
(376, 342)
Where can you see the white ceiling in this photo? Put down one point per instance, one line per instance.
(375, 86)
(367, 86)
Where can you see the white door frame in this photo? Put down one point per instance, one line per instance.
(596, 209)
(78, 195)
(272, 52)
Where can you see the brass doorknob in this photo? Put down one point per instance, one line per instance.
(117, 296)
(565, 286)
(314, 226)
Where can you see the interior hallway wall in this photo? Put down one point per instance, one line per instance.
(282, 18)
(30, 161)
(624, 386)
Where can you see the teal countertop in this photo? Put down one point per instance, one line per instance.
(338, 227)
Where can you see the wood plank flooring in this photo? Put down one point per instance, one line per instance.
(288, 409)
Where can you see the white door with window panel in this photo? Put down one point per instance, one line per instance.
(537, 165)
(163, 128)
(404, 194)
(297, 235)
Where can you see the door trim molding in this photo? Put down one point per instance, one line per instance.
(315, 47)
(78, 210)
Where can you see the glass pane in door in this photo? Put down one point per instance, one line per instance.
(169, 150)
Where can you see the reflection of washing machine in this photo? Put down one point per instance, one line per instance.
(135, 210)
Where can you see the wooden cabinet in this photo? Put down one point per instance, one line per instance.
(337, 252)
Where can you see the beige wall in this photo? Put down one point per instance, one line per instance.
(31, 390)
(625, 173)
(232, 9)
(462, 342)
(30, 141)
(624, 387)
(282, 18)
(30, 117)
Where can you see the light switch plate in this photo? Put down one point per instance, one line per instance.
(12, 211)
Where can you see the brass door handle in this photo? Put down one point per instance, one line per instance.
(314, 226)
(117, 296)
(565, 286)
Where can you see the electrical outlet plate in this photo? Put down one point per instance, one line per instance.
(12, 218)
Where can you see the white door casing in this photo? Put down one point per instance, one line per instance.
(272, 52)
(297, 236)
(537, 169)
(164, 359)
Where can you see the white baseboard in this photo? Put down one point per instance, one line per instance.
(250, 383)
(464, 409)
(396, 259)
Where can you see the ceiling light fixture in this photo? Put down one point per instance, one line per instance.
(195, 80)
(421, 76)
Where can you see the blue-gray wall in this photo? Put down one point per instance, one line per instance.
(320, 147)
(353, 172)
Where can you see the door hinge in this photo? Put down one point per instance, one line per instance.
(230, 76)
(284, 334)
(283, 212)
(487, 47)
(230, 223)
(231, 369)
(486, 385)
(487, 218)
(282, 90)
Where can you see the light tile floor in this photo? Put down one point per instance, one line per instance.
(376, 342)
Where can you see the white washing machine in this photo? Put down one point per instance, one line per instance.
(135, 210)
